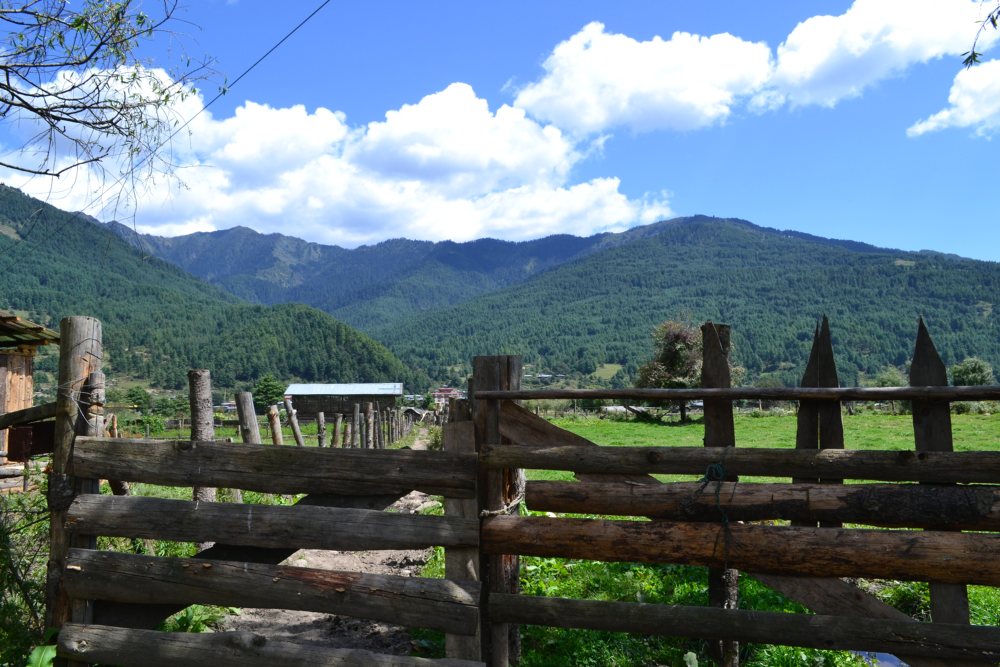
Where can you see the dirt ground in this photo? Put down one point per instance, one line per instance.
(341, 631)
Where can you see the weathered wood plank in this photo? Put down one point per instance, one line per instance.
(890, 466)
(28, 415)
(438, 604)
(277, 469)
(932, 433)
(521, 427)
(265, 525)
(148, 648)
(459, 563)
(249, 428)
(832, 596)
(892, 505)
(982, 393)
(819, 552)
(149, 616)
(814, 631)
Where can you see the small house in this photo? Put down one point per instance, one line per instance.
(310, 399)
(19, 340)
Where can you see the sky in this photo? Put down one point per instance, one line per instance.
(519, 119)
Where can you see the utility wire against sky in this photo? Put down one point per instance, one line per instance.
(223, 90)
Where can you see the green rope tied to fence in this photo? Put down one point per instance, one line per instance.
(715, 473)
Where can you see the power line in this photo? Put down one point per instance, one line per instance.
(222, 91)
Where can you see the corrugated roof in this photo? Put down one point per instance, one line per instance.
(358, 389)
(16, 331)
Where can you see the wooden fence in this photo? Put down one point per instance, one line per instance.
(106, 602)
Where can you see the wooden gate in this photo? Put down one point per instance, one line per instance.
(950, 509)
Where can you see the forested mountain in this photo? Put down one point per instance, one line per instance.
(160, 321)
(570, 305)
(368, 287)
(770, 286)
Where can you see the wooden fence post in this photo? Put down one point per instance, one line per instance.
(356, 427)
(274, 421)
(820, 425)
(723, 583)
(202, 424)
(335, 441)
(321, 429)
(369, 426)
(249, 428)
(81, 353)
(461, 564)
(500, 492)
(932, 433)
(293, 420)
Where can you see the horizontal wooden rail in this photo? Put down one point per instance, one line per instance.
(981, 393)
(301, 527)
(437, 604)
(276, 469)
(893, 505)
(938, 640)
(798, 551)
(147, 648)
(28, 415)
(889, 466)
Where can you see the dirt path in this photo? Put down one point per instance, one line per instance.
(341, 631)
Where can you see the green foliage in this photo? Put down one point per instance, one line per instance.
(196, 618)
(676, 362)
(268, 391)
(42, 656)
(971, 372)
(139, 399)
(23, 553)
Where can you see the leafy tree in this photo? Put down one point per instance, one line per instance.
(139, 398)
(267, 391)
(676, 362)
(70, 73)
(971, 372)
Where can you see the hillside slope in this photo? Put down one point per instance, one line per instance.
(770, 286)
(160, 321)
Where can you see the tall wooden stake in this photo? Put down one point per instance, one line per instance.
(500, 492)
(81, 353)
(932, 433)
(338, 421)
(293, 420)
(321, 429)
(202, 424)
(356, 427)
(723, 584)
(274, 422)
(249, 428)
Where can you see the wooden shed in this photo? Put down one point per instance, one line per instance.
(19, 340)
(309, 399)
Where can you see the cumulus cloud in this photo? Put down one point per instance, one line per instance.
(826, 59)
(445, 167)
(597, 80)
(974, 102)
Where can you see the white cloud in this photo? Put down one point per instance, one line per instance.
(826, 59)
(597, 80)
(446, 167)
(974, 102)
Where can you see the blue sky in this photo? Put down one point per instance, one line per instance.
(457, 120)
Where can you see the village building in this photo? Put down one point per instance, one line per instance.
(442, 395)
(19, 341)
(330, 399)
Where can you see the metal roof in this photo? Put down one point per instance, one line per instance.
(371, 389)
(16, 331)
